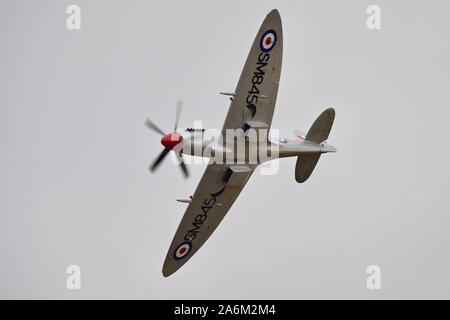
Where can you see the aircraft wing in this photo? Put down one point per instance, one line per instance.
(215, 194)
(252, 105)
(254, 99)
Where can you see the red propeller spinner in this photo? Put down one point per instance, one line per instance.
(169, 141)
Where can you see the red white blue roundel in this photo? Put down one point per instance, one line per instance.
(182, 250)
(268, 40)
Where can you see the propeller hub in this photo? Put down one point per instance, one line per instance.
(169, 141)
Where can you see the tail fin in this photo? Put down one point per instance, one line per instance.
(318, 133)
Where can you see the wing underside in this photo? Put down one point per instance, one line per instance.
(257, 89)
(252, 105)
(215, 194)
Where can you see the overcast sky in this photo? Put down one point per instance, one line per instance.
(74, 184)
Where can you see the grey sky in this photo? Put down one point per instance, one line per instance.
(74, 185)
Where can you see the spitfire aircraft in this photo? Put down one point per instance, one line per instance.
(251, 108)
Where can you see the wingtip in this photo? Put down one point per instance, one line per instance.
(166, 273)
(274, 12)
(274, 18)
(168, 269)
(331, 109)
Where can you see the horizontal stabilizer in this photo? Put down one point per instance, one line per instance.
(305, 166)
(320, 129)
(318, 133)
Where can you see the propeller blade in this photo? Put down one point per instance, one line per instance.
(177, 114)
(158, 160)
(183, 166)
(153, 127)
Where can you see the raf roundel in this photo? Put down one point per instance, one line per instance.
(268, 40)
(182, 250)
